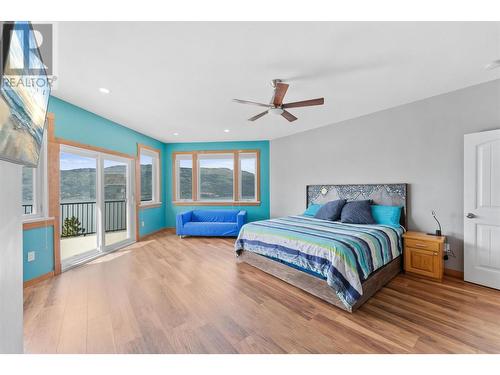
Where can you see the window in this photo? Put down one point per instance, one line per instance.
(149, 162)
(34, 195)
(216, 177)
(184, 177)
(146, 178)
(248, 177)
(28, 187)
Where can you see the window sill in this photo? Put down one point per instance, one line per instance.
(150, 205)
(214, 203)
(38, 222)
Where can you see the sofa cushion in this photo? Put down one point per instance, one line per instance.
(211, 229)
(219, 216)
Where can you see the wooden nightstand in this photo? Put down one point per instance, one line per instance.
(423, 254)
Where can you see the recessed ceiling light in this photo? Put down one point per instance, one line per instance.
(493, 65)
(226, 130)
(176, 134)
(104, 90)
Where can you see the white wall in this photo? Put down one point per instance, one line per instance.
(419, 143)
(11, 260)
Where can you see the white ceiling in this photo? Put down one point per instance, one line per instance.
(168, 77)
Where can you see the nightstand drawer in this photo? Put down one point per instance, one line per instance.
(421, 244)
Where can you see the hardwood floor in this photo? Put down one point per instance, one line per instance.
(171, 295)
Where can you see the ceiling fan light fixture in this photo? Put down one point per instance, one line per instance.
(276, 111)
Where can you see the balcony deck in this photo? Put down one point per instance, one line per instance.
(71, 246)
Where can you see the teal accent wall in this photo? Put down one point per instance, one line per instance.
(254, 212)
(149, 219)
(41, 241)
(76, 124)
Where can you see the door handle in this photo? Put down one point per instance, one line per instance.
(470, 215)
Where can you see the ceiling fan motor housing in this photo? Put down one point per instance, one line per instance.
(276, 110)
(274, 82)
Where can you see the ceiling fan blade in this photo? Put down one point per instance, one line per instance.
(304, 103)
(288, 116)
(279, 93)
(249, 102)
(256, 117)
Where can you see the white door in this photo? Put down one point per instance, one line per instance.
(482, 208)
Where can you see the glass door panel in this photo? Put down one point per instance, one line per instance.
(116, 199)
(78, 206)
(97, 207)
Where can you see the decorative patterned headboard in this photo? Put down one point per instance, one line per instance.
(384, 194)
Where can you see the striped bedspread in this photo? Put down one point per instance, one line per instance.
(344, 254)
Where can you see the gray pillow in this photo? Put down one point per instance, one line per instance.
(331, 210)
(357, 212)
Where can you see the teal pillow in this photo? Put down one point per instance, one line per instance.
(312, 209)
(388, 215)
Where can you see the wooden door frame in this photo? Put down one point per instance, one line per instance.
(54, 188)
(53, 176)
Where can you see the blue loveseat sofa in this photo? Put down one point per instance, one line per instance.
(223, 223)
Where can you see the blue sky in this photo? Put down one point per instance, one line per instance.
(246, 164)
(146, 160)
(72, 161)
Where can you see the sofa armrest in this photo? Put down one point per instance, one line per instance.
(241, 218)
(182, 218)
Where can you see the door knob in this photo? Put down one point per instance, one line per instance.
(470, 215)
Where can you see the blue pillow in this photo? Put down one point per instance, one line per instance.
(312, 209)
(388, 215)
(331, 210)
(357, 212)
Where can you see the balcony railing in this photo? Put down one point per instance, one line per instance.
(115, 217)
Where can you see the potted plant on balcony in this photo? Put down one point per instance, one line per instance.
(72, 227)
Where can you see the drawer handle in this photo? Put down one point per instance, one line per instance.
(420, 244)
(435, 254)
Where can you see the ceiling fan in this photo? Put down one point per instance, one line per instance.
(276, 106)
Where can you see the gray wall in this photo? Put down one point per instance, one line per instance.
(11, 260)
(420, 143)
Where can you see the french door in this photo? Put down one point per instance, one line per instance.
(97, 208)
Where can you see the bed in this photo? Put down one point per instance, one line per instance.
(343, 264)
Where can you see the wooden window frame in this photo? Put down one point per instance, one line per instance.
(236, 179)
(156, 175)
(39, 186)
